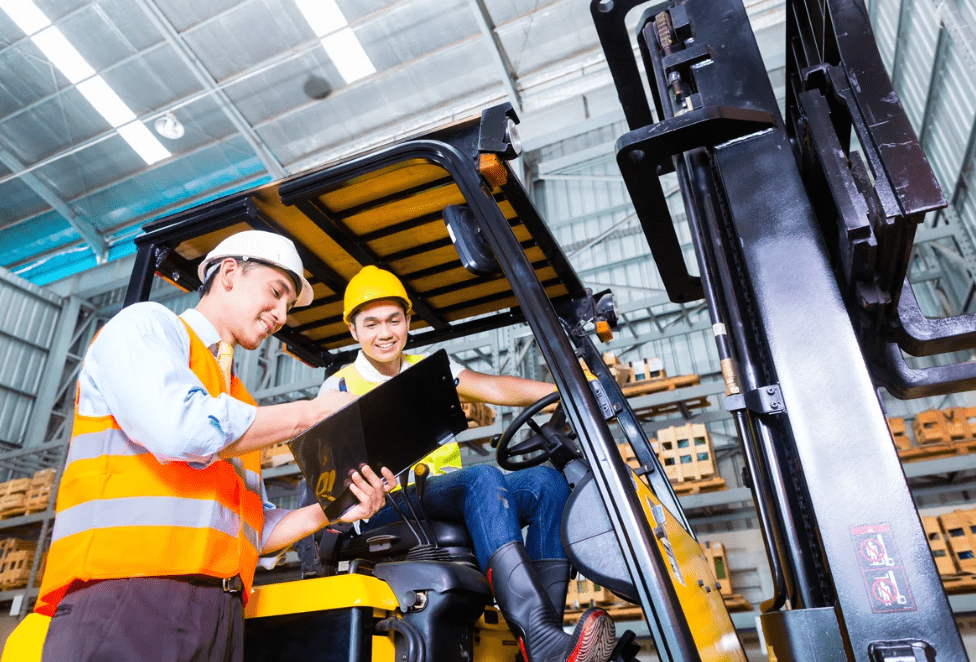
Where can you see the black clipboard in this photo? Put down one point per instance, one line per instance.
(395, 425)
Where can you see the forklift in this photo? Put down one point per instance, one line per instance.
(446, 213)
(802, 259)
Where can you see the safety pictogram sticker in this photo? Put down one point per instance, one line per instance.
(881, 566)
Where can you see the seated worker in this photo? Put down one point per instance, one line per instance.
(161, 510)
(529, 581)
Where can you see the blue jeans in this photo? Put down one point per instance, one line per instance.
(494, 507)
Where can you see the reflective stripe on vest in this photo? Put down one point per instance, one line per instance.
(445, 459)
(122, 513)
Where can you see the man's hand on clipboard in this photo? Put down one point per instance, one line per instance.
(370, 489)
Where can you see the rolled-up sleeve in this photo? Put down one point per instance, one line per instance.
(138, 370)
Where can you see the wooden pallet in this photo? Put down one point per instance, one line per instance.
(961, 583)
(668, 408)
(736, 602)
(930, 451)
(276, 455)
(648, 386)
(619, 612)
(686, 487)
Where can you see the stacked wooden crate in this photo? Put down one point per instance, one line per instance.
(899, 434)
(478, 414)
(26, 495)
(37, 498)
(688, 457)
(719, 562)
(276, 455)
(583, 593)
(646, 376)
(952, 540)
(937, 432)
(16, 559)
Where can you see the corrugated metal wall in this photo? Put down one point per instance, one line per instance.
(28, 323)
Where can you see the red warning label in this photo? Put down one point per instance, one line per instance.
(880, 562)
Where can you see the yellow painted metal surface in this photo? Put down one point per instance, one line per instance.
(396, 212)
(709, 620)
(384, 649)
(320, 594)
(494, 642)
(26, 642)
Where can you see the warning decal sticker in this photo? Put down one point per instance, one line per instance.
(880, 563)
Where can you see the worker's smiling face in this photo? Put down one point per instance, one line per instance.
(259, 300)
(381, 328)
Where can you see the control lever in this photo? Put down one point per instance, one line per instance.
(406, 520)
(413, 512)
(420, 473)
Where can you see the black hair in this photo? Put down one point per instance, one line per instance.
(245, 265)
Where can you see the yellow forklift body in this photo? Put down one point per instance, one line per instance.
(693, 583)
(321, 594)
(26, 642)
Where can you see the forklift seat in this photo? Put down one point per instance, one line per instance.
(395, 540)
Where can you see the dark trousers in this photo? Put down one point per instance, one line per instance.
(151, 619)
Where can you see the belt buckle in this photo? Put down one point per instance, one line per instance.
(232, 584)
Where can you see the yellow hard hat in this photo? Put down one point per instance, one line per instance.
(373, 284)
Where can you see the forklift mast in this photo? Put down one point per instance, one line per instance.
(803, 229)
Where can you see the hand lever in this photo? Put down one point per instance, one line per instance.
(420, 473)
(406, 520)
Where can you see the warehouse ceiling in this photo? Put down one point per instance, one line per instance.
(114, 112)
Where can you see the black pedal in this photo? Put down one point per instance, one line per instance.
(626, 649)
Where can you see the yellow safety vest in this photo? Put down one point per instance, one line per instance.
(121, 513)
(442, 460)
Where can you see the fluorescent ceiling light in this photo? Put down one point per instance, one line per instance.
(25, 14)
(347, 55)
(63, 55)
(324, 16)
(144, 142)
(106, 101)
(59, 51)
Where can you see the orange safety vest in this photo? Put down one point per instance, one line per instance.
(121, 513)
(441, 461)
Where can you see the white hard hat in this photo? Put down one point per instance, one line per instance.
(266, 247)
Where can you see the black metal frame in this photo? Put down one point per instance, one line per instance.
(803, 263)
(556, 334)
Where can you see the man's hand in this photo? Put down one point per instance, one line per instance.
(371, 491)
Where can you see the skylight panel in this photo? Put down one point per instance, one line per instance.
(347, 55)
(59, 51)
(340, 42)
(63, 55)
(104, 99)
(144, 142)
(26, 15)
(324, 16)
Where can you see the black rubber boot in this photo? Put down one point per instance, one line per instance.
(554, 574)
(527, 609)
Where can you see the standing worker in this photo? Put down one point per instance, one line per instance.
(529, 581)
(161, 510)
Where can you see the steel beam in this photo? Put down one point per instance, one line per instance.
(901, 43)
(82, 225)
(498, 56)
(199, 71)
(52, 373)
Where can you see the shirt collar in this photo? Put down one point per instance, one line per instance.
(201, 326)
(368, 372)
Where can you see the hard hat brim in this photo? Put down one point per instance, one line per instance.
(304, 297)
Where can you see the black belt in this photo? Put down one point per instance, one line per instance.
(229, 584)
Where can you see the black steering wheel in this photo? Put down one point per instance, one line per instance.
(549, 438)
